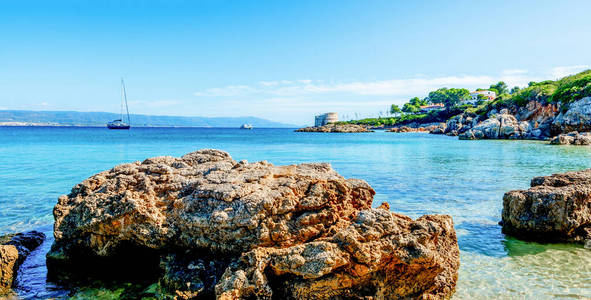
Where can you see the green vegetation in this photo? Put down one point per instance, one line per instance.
(499, 88)
(573, 88)
(414, 105)
(562, 91)
(449, 97)
(394, 109)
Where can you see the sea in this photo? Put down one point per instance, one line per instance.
(415, 173)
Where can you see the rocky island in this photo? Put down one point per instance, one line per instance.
(204, 225)
(336, 127)
(556, 208)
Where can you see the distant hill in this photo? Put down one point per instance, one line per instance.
(75, 118)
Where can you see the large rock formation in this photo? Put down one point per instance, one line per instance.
(576, 118)
(572, 138)
(342, 128)
(555, 208)
(460, 124)
(540, 116)
(14, 249)
(501, 126)
(240, 230)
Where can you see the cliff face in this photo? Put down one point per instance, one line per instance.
(236, 230)
(576, 118)
(536, 120)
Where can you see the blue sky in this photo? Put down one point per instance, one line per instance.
(277, 60)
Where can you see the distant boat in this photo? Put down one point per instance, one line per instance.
(120, 124)
(246, 126)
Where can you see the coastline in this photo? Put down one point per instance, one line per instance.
(474, 210)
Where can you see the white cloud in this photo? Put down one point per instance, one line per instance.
(393, 87)
(514, 72)
(297, 100)
(559, 72)
(419, 86)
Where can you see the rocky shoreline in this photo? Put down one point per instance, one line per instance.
(214, 227)
(206, 226)
(566, 125)
(336, 128)
(417, 127)
(534, 121)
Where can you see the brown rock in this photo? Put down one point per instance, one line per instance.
(555, 208)
(381, 255)
(295, 231)
(572, 138)
(14, 249)
(416, 127)
(342, 128)
(8, 267)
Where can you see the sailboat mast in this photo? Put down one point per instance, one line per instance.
(122, 96)
(126, 107)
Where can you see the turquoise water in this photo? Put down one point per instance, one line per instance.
(416, 173)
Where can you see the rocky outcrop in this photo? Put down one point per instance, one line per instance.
(415, 127)
(460, 124)
(238, 230)
(439, 129)
(342, 128)
(556, 208)
(539, 116)
(501, 126)
(14, 249)
(576, 118)
(572, 138)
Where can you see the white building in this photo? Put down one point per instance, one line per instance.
(489, 96)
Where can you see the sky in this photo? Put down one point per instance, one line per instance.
(279, 60)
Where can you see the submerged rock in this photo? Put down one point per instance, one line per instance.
(239, 230)
(572, 138)
(14, 249)
(343, 128)
(555, 208)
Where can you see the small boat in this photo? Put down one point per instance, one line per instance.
(119, 123)
(246, 126)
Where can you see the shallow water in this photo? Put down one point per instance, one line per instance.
(416, 173)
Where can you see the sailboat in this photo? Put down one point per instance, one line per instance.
(120, 124)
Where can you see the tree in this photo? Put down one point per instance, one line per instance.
(394, 109)
(514, 90)
(481, 97)
(500, 88)
(449, 97)
(415, 101)
(409, 108)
